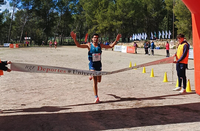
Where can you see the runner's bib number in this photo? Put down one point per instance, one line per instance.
(96, 57)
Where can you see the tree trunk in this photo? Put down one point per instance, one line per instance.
(9, 33)
(22, 30)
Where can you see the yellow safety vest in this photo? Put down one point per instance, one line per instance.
(180, 53)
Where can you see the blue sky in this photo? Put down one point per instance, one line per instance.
(7, 6)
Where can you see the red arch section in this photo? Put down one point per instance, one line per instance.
(193, 6)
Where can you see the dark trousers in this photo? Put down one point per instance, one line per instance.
(146, 51)
(167, 51)
(181, 73)
(152, 51)
(135, 50)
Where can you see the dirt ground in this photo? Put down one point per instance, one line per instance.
(130, 100)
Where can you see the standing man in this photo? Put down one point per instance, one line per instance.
(152, 47)
(181, 62)
(55, 44)
(136, 46)
(94, 56)
(50, 43)
(42, 43)
(146, 45)
(167, 49)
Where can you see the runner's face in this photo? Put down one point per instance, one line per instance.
(95, 39)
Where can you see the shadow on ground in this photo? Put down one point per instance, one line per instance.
(98, 120)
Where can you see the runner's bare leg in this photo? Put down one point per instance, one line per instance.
(95, 85)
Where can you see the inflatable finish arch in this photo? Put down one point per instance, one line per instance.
(193, 6)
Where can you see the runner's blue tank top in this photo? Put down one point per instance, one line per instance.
(93, 50)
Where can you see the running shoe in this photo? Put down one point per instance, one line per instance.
(177, 89)
(97, 100)
(183, 91)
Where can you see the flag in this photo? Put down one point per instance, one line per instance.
(133, 37)
(140, 36)
(163, 34)
(166, 34)
(159, 34)
(151, 36)
(169, 34)
(154, 34)
(145, 36)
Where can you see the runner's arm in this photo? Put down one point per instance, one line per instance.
(113, 44)
(3, 66)
(73, 35)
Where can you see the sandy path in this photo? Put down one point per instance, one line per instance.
(131, 100)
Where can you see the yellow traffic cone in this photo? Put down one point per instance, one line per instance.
(165, 77)
(177, 83)
(188, 88)
(135, 68)
(152, 73)
(144, 70)
(130, 64)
